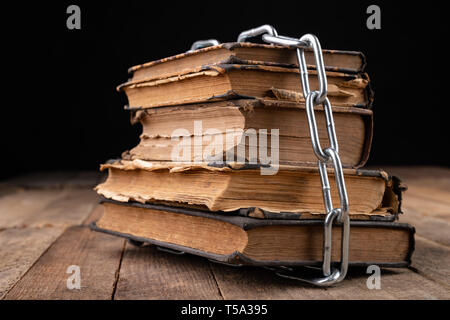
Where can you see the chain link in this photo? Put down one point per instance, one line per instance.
(324, 156)
(203, 44)
(328, 155)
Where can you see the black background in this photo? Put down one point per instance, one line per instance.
(60, 110)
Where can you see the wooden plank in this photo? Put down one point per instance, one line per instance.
(147, 273)
(22, 246)
(42, 180)
(150, 274)
(428, 227)
(19, 250)
(257, 283)
(31, 220)
(432, 260)
(421, 190)
(251, 283)
(395, 284)
(37, 208)
(98, 256)
(411, 173)
(427, 183)
(57, 180)
(16, 208)
(70, 209)
(6, 189)
(427, 208)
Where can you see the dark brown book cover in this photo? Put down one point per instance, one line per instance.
(249, 54)
(401, 259)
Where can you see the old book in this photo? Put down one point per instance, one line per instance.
(292, 191)
(232, 81)
(220, 129)
(250, 54)
(242, 240)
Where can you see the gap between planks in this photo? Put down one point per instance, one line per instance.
(147, 273)
(218, 276)
(31, 220)
(98, 256)
(116, 280)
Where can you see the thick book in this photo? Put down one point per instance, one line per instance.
(220, 130)
(233, 81)
(292, 192)
(247, 54)
(247, 241)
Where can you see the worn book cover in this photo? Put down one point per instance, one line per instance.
(242, 240)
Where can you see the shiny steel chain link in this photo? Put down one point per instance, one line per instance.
(203, 44)
(324, 156)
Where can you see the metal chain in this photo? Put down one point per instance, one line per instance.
(324, 156)
(203, 44)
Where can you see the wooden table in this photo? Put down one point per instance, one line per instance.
(43, 231)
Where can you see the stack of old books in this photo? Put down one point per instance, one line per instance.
(225, 168)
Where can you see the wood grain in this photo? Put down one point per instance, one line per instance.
(395, 284)
(98, 256)
(253, 283)
(36, 249)
(425, 183)
(57, 180)
(38, 208)
(20, 248)
(433, 229)
(427, 208)
(420, 190)
(147, 273)
(426, 203)
(17, 208)
(32, 219)
(257, 283)
(432, 261)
